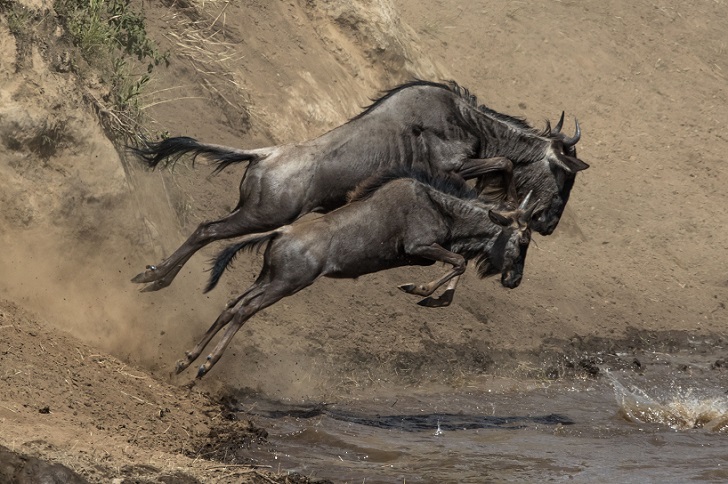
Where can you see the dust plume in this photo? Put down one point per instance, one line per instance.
(84, 289)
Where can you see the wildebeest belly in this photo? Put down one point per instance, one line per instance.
(370, 266)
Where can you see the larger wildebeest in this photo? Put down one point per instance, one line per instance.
(420, 220)
(435, 127)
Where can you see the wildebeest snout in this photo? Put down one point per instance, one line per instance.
(511, 279)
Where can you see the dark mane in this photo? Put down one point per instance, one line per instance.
(452, 185)
(472, 100)
(463, 93)
(391, 92)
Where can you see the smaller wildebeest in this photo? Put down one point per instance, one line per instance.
(389, 223)
(431, 126)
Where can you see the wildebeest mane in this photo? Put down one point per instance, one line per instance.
(442, 182)
(463, 93)
(391, 92)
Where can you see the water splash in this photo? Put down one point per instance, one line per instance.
(678, 408)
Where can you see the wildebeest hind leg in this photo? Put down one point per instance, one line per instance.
(260, 300)
(193, 354)
(225, 317)
(235, 224)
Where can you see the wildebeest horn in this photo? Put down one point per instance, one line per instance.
(526, 212)
(559, 125)
(569, 142)
(530, 210)
(524, 203)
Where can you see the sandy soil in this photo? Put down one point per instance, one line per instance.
(638, 262)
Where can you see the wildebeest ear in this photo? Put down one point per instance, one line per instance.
(499, 218)
(569, 163)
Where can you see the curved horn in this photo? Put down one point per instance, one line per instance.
(559, 125)
(524, 203)
(547, 130)
(569, 142)
(525, 217)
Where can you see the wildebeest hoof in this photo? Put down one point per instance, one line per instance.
(433, 302)
(156, 286)
(180, 366)
(438, 302)
(415, 289)
(408, 288)
(149, 275)
(201, 371)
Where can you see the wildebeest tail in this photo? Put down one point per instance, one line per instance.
(226, 257)
(170, 150)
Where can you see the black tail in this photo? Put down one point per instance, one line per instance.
(226, 257)
(170, 150)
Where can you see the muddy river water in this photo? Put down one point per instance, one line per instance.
(666, 424)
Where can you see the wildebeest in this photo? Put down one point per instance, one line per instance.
(435, 127)
(418, 220)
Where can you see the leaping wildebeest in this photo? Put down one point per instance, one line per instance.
(419, 220)
(434, 127)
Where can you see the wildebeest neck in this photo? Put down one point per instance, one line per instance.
(511, 138)
(453, 114)
(471, 231)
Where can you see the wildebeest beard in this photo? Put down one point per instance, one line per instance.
(491, 265)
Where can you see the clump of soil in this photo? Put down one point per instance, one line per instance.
(24, 469)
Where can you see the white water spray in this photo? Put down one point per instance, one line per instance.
(678, 408)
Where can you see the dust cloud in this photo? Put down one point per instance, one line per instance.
(83, 288)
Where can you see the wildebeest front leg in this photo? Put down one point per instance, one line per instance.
(445, 299)
(437, 253)
(482, 167)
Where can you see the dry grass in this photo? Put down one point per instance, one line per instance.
(199, 38)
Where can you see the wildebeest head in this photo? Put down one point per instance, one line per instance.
(552, 178)
(517, 233)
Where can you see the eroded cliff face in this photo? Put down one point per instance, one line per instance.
(56, 157)
(277, 72)
(70, 216)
